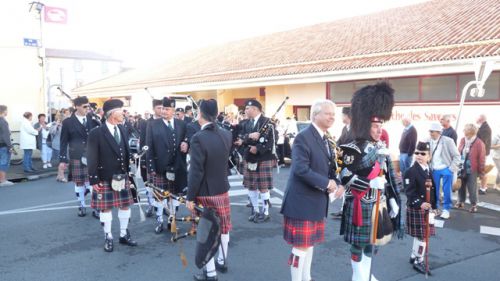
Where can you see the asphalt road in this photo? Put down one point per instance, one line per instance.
(41, 238)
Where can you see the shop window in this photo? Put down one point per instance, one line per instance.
(439, 88)
(405, 89)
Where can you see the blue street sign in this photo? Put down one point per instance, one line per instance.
(30, 42)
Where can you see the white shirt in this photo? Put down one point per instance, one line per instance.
(321, 133)
(204, 125)
(171, 123)
(111, 129)
(424, 167)
(80, 118)
(256, 119)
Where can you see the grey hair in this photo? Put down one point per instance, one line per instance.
(318, 105)
(446, 117)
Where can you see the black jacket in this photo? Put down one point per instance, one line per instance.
(210, 150)
(164, 150)
(484, 133)
(450, 132)
(264, 147)
(74, 135)
(306, 196)
(105, 157)
(408, 141)
(414, 181)
(345, 136)
(4, 133)
(191, 129)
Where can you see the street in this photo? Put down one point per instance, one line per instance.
(42, 238)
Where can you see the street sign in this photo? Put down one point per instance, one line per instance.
(30, 42)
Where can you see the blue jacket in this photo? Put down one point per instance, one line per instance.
(306, 196)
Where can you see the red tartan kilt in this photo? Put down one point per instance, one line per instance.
(220, 203)
(415, 223)
(161, 181)
(78, 173)
(260, 179)
(105, 198)
(302, 233)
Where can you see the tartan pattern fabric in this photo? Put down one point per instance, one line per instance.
(158, 180)
(302, 233)
(220, 203)
(260, 179)
(415, 223)
(78, 173)
(105, 198)
(357, 235)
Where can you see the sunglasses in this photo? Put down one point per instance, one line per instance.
(420, 153)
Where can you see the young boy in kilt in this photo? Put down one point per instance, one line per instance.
(108, 164)
(313, 176)
(259, 160)
(74, 134)
(419, 214)
(369, 179)
(207, 181)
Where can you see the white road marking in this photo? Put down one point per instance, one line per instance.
(485, 205)
(42, 206)
(238, 192)
(489, 230)
(278, 191)
(36, 210)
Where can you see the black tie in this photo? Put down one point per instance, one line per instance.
(116, 135)
(325, 140)
(169, 125)
(84, 123)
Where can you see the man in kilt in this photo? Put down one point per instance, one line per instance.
(207, 181)
(313, 176)
(74, 134)
(419, 214)
(108, 157)
(259, 159)
(157, 108)
(166, 158)
(366, 173)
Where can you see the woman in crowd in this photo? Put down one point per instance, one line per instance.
(28, 141)
(473, 155)
(495, 147)
(55, 132)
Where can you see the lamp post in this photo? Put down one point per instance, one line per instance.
(38, 7)
(482, 71)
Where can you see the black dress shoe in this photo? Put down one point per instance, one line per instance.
(412, 260)
(127, 240)
(253, 217)
(220, 267)
(261, 218)
(203, 277)
(108, 244)
(420, 267)
(87, 191)
(96, 214)
(82, 212)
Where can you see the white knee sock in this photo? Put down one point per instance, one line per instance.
(150, 198)
(306, 272)
(420, 251)
(210, 266)
(80, 194)
(223, 248)
(297, 264)
(106, 219)
(414, 249)
(159, 211)
(124, 217)
(266, 196)
(366, 263)
(254, 199)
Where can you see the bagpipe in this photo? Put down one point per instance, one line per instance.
(207, 233)
(136, 178)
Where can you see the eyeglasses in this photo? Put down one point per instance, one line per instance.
(420, 153)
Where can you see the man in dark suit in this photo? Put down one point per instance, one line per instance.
(143, 127)
(312, 177)
(259, 159)
(108, 165)
(207, 182)
(484, 134)
(407, 145)
(346, 135)
(74, 134)
(179, 114)
(166, 157)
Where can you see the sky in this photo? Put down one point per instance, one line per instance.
(144, 32)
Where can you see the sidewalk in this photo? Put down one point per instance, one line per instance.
(16, 173)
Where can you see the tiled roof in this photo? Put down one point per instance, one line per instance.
(439, 30)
